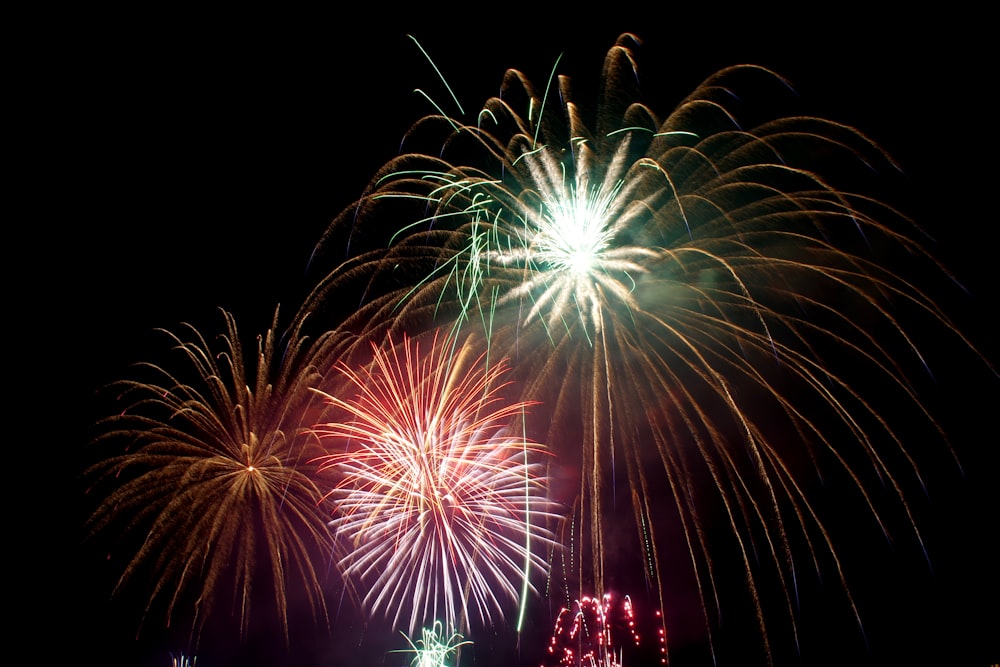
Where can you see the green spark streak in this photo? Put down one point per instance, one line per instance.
(450, 91)
(548, 85)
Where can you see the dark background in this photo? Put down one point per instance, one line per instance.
(181, 162)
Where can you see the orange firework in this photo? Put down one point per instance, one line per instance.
(208, 470)
(711, 306)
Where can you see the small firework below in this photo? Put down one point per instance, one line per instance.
(433, 648)
(182, 660)
(598, 633)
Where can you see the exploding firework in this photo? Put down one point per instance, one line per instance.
(701, 300)
(440, 503)
(587, 634)
(209, 474)
(433, 649)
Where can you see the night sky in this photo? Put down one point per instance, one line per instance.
(191, 162)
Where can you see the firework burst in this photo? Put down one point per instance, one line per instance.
(209, 472)
(433, 649)
(696, 297)
(589, 632)
(440, 504)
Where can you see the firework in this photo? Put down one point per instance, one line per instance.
(433, 648)
(183, 660)
(441, 502)
(586, 634)
(209, 473)
(701, 300)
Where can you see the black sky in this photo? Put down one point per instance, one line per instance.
(190, 162)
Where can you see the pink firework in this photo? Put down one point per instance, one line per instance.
(595, 632)
(440, 501)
